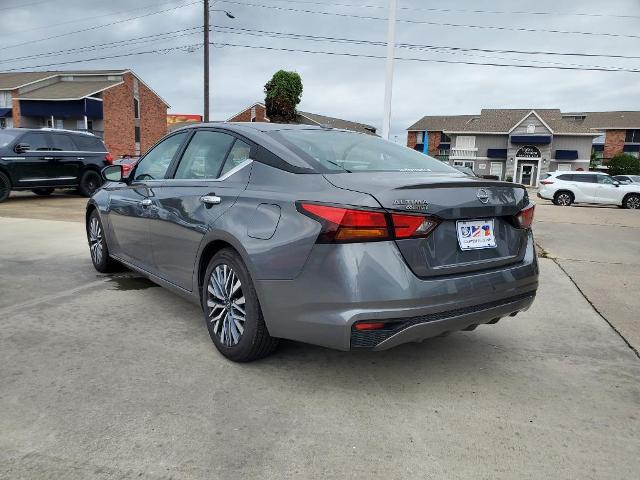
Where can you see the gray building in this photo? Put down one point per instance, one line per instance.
(512, 144)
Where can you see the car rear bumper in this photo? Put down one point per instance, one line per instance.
(343, 284)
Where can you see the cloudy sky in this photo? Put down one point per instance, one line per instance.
(350, 87)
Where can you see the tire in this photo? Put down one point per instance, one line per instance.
(222, 303)
(43, 192)
(90, 181)
(563, 199)
(5, 187)
(98, 246)
(631, 201)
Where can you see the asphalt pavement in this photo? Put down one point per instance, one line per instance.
(108, 376)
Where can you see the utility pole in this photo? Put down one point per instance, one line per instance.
(206, 60)
(388, 85)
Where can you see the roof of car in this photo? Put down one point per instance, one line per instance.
(575, 172)
(257, 126)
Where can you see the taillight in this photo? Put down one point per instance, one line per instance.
(108, 158)
(546, 182)
(524, 218)
(407, 226)
(340, 224)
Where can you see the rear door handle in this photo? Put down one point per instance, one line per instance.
(210, 199)
(48, 158)
(146, 202)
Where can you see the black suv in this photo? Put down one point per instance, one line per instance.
(41, 160)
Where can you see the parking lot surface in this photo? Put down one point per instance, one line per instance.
(111, 377)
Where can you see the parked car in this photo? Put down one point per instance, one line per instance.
(127, 162)
(319, 235)
(42, 160)
(627, 178)
(565, 188)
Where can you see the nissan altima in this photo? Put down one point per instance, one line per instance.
(317, 235)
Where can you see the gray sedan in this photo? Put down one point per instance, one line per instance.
(317, 235)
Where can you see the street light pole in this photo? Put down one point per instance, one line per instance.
(206, 60)
(388, 85)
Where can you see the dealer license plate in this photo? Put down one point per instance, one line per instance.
(476, 234)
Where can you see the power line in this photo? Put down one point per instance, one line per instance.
(94, 27)
(440, 24)
(449, 10)
(22, 5)
(117, 43)
(226, 29)
(188, 48)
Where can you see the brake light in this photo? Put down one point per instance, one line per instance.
(341, 224)
(546, 182)
(407, 226)
(108, 158)
(524, 218)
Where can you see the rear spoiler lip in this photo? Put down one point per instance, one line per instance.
(465, 184)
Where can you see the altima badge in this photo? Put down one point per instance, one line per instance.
(412, 204)
(482, 195)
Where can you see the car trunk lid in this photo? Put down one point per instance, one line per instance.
(450, 198)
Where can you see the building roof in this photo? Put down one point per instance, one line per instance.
(12, 80)
(74, 90)
(323, 120)
(498, 121)
(338, 123)
(617, 120)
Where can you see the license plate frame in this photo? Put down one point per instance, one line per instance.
(472, 234)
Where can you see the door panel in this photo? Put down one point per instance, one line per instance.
(585, 188)
(130, 219)
(607, 192)
(33, 169)
(182, 217)
(67, 162)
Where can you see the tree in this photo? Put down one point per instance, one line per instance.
(624, 164)
(282, 95)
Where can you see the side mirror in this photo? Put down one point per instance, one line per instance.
(22, 147)
(616, 183)
(112, 173)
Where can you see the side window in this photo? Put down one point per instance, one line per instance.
(88, 143)
(239, 153)
(204, 155)
(605, 179)
(566, 177)
(155, 163)
(36, 141)
(62, 143)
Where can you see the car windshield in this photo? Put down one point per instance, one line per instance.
(6, 138)
(341, 151)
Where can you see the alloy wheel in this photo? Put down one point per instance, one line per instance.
(633, 202)
(95, 241)
(226, 305)
(564, 199)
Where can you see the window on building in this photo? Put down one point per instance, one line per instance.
(465, 142)
(137, 134)
(444, 138)
(419, 137)
(443, 154)
(632, 136)
(531, 128)
(5, 99)
(463, 163)
(136, 108)
(253, 114)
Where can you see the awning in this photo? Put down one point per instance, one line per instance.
(5, 112)
(497, 153)
(62, 109)
(566, 155)
(531, 139)
(631, 148)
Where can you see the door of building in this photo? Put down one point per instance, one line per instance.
(528, 174)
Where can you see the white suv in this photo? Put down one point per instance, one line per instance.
(565, 188)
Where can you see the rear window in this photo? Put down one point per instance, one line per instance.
(88, 143)
(340, 151)
(6, 138)
(62, 143)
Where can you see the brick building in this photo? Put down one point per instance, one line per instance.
(258, 113)
(509, 144)
(113, 104)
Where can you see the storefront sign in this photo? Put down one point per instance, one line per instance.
(528, 152)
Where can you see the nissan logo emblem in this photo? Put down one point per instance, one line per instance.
(482, 195)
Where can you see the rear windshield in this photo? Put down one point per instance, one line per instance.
(340, 151)
(6, 138)
(88, 143)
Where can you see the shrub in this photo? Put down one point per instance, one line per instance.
(282, 95)
(624, 164)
